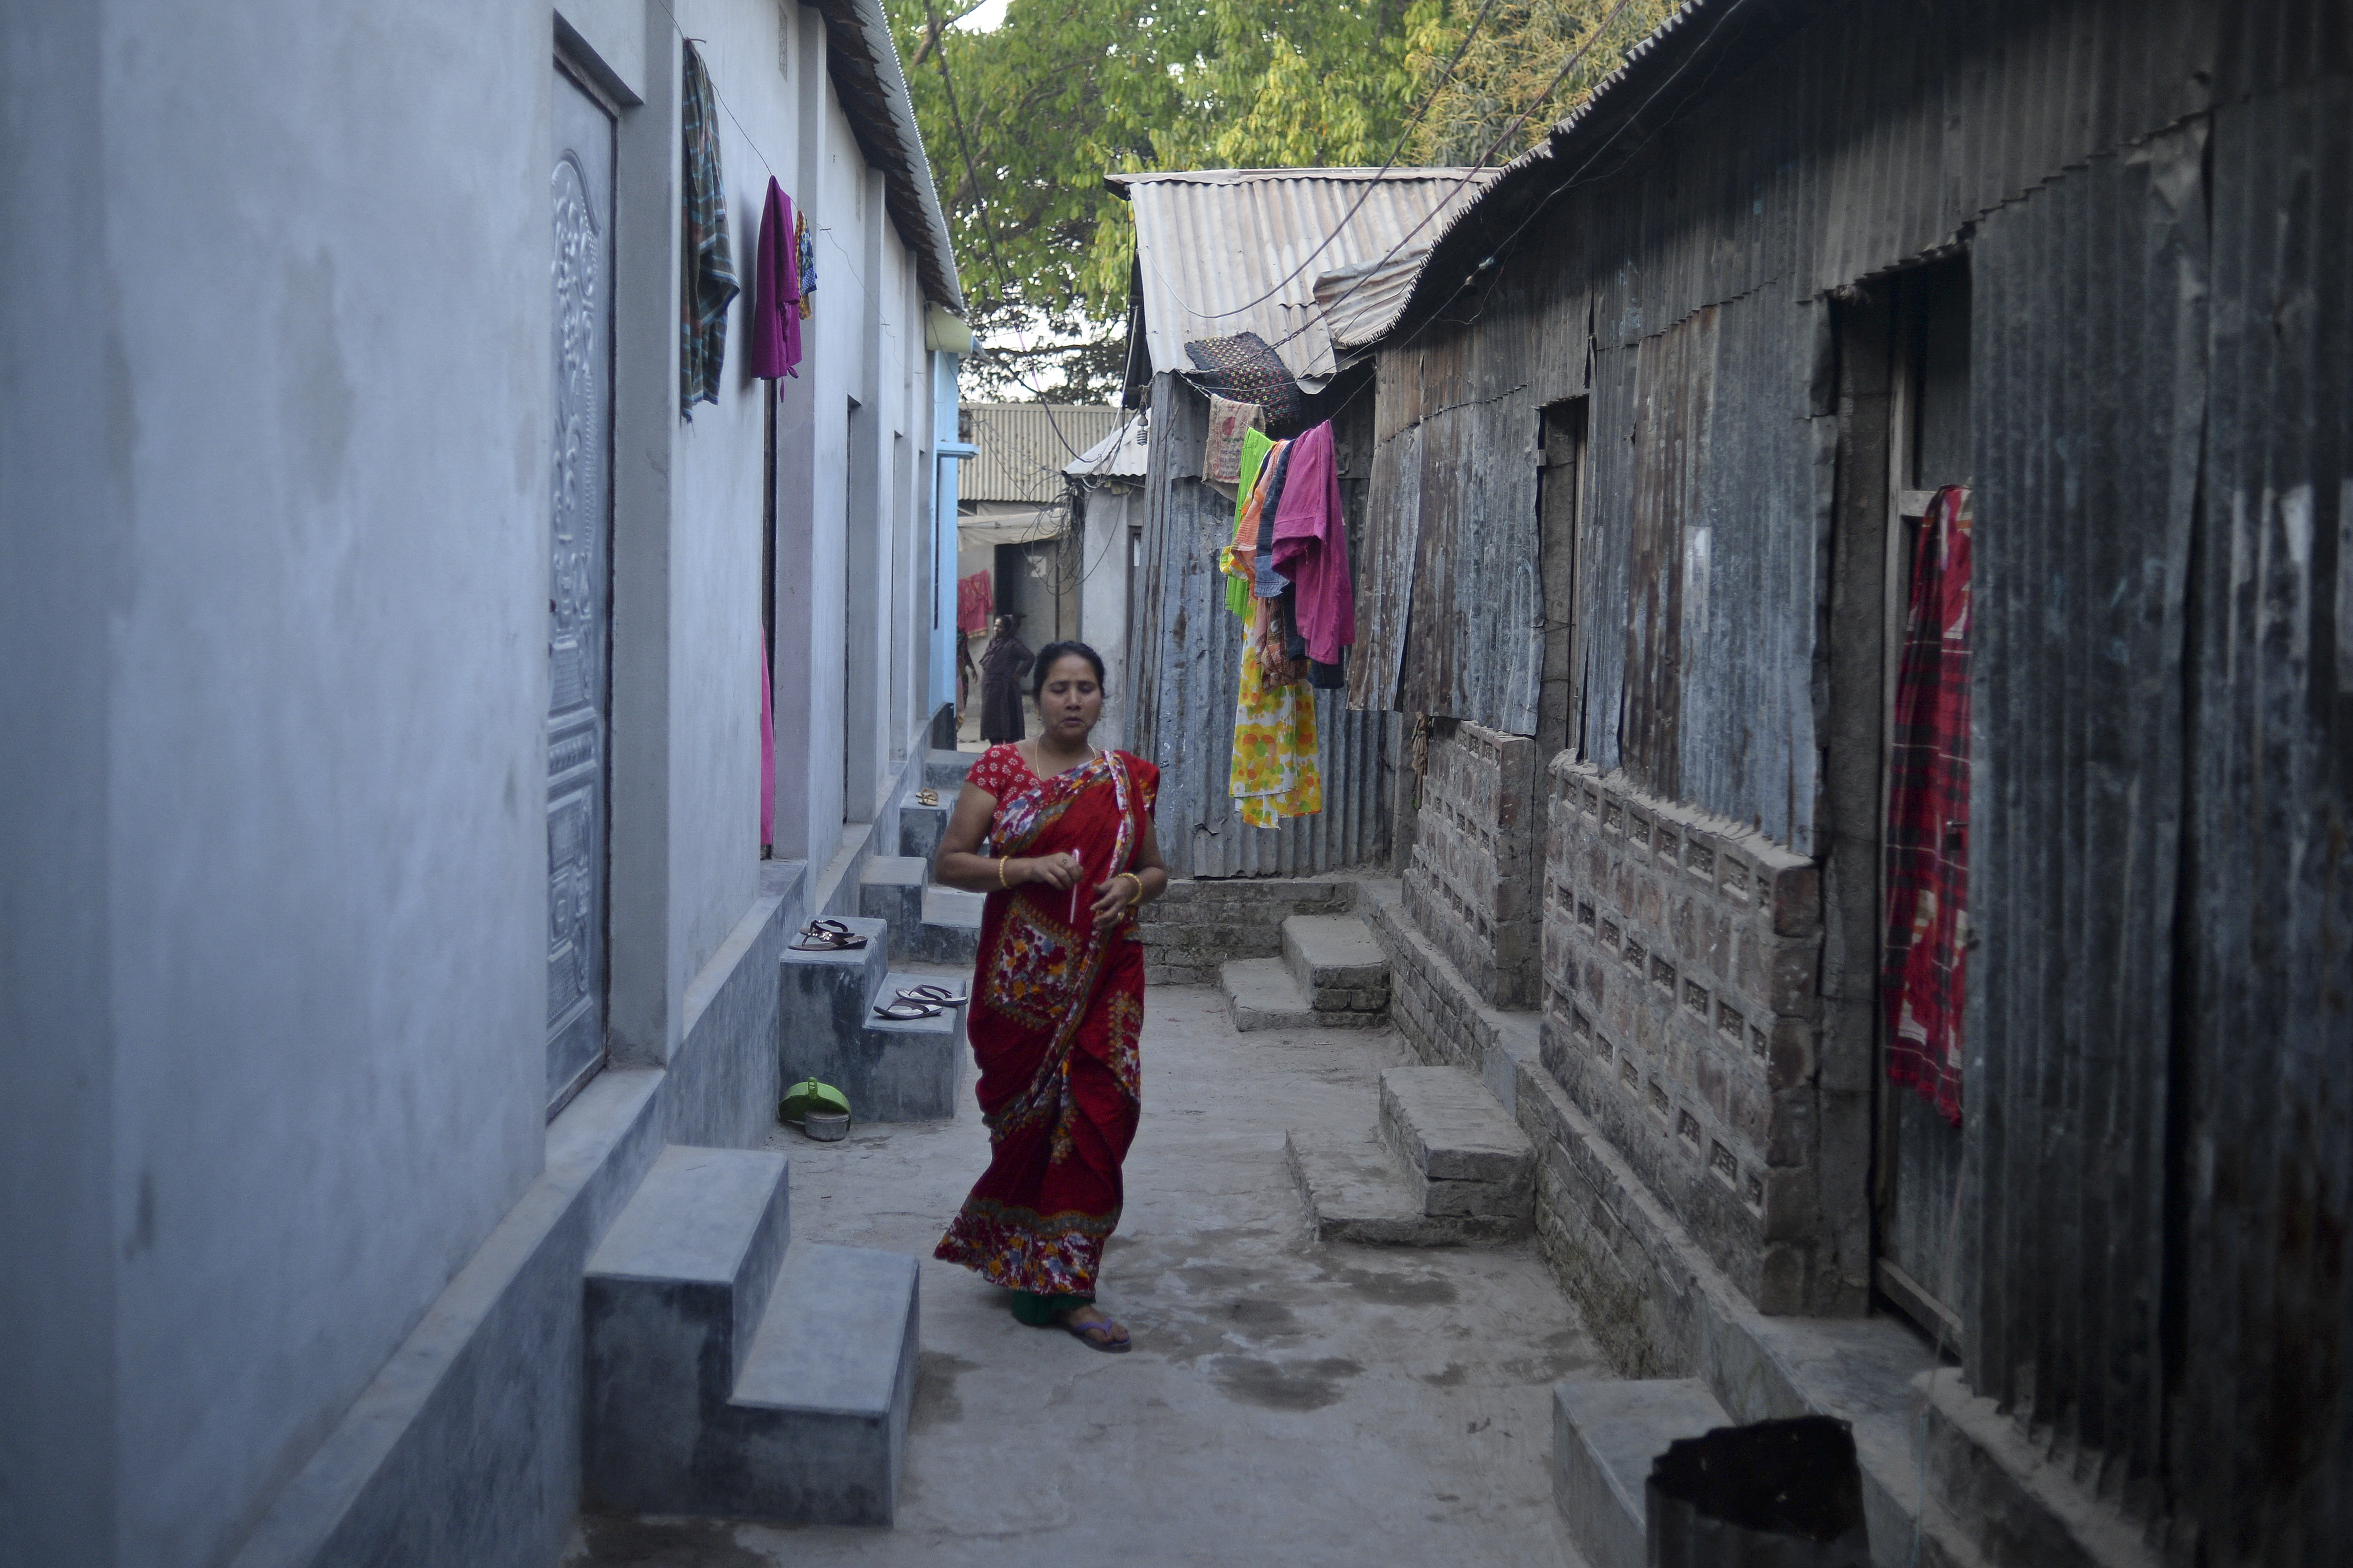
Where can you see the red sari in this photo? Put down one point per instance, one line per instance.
(1057, 1008)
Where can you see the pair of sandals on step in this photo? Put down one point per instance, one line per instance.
(914, 1002)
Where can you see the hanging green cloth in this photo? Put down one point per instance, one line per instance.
(1255, 446)
(708, 281)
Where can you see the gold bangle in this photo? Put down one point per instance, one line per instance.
(1001, 860)
(1139, 889)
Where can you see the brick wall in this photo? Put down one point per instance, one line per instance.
(1197, 925)
(1472, 885)
(1681, 956)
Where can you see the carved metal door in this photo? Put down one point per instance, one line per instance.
(580, 598)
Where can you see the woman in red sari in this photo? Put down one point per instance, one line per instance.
(1058, 996)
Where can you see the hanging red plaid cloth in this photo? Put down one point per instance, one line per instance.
(1927, 963)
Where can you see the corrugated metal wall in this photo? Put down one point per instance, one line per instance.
(2160, 1166)
(2262, 1445)
(1185, 654)
(2088, 388)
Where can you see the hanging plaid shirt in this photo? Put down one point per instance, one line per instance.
(1928, 817)
(709, 270)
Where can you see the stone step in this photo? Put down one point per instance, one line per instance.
(892, 1071)
(1460, 1149)
(1355, 1190)
(1338, 964)
(729, 1373)
(1261, 993)
(1604, 1436)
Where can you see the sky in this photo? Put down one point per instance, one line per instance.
(990, 16)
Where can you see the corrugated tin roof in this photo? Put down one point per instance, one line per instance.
(863, 62)
(1024, 447)
(1224, 251)
(1121, 454)
(1360, 302)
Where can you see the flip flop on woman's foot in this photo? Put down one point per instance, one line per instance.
(1114, 1339)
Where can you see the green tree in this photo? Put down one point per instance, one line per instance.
(1065, 92)
(1496, 97)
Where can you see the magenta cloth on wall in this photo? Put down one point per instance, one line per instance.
(767, 757)
(971, 602)
(775, 322)
(1310, 546)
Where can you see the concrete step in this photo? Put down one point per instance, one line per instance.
(1354, 1189)
(1261, 993)
(920, 826)
(951, 929)
(897, 889)
(1461, 1152)
(822, 995)
(729, 1373)
(1604, 1436)
(1338, 964)
(823, 1397)
(891, 887)
(674, 1293)
(892, 1071)
(945, 771)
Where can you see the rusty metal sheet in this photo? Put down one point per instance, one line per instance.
(1384, 570)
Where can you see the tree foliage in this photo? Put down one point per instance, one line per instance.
(1495, 103)
(1028, 117)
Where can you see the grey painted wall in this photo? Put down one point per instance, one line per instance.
(273, 469)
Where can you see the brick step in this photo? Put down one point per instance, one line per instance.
(731, 1372)
(1604, 1436)
(1338, 964)
(1262, 993)
(1433, 1171)
(1462, 1155)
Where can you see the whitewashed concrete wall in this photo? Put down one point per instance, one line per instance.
(274, 428)
(306, 709)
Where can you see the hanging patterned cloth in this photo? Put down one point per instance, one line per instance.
(709, 281)
(1926, 966)
(1274, 772)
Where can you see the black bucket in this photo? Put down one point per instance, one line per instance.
(1779, 1494)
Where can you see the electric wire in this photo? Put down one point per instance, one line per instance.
(1576, 177)
(1445, 78)
(1510, 131)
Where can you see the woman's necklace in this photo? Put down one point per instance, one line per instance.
(1037, 758)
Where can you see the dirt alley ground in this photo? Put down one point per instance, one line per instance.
(1285, 1403)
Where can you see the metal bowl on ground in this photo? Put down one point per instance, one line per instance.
(826, 1126)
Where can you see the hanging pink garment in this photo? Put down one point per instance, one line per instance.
(767, 757)
(971, 602)
(776, 321)
(1310, 546)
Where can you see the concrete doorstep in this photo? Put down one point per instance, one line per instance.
(730, 1372)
